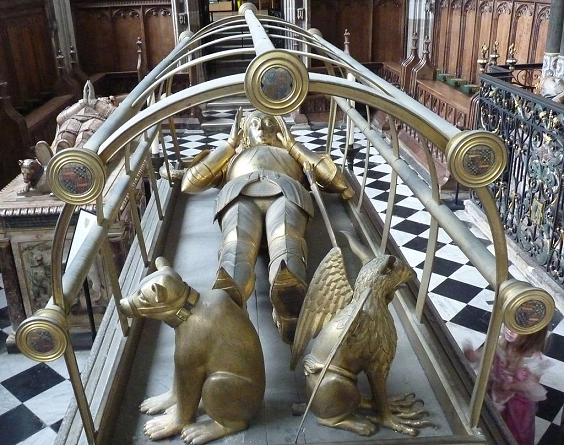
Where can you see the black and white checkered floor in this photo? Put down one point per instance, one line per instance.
(33, 397)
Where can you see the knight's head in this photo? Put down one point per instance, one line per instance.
(157, 295)
(261, 129)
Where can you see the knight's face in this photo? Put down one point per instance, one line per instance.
(262, 130)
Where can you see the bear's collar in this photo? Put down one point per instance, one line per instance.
(190, 298)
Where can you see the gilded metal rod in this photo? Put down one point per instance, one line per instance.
(433, 236)
(76, 271)
(393, 184)
(169, 106)
(331, 126)
(466, 241)
(137, 225)
(154, 186)
(429, 126)
(114, 283)
(165, 156)
(190, 64)
(80, 395)
(443, 126)
(366, 164)
(490, 347)
(427, 268)
(502, 274)
(125, 111)
(61, 229)
(174, 138)
(261, 41)
(310, 175)
(349, 128)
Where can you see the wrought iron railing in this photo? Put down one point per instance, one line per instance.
(529, 194)
(525, 76)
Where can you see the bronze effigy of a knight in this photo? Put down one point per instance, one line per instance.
(260, 170)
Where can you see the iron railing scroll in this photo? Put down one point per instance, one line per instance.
(529, 193)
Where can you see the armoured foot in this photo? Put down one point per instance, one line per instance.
(360, 425)
(208, 430)
(158, 404)
(163, 426)
(287, 294)
(226, 282)
(286, 327)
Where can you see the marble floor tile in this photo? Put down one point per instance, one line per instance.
(465, 336)
(413, 257)
(484, 300)
(421, 217)
(446, 307)
(469, 275)
(452, 253)
(18, 424)
(13, 364)
(401, 237)
(32, 381)
(50, 406)
(43, 437)
(7, 400)
(473, 318)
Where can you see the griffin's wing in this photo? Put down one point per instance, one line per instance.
(43, 153)
(328, 292)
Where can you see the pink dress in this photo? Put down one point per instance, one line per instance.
(518, 405)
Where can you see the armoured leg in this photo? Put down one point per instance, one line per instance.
(285, 230)
(241, 226)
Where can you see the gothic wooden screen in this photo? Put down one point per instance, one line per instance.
(106, 33)
(462, 26)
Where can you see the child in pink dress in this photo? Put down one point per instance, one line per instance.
(515, 380)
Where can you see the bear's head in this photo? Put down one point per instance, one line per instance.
(159, 294)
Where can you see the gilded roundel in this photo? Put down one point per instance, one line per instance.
(526, 309)
(276, 82)
(479, 160)
(76, 176)
(476, 158)
(530, 313)
(43, 337)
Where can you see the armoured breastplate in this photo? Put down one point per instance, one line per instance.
(264, 157)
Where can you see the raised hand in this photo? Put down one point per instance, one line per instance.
(236, 131)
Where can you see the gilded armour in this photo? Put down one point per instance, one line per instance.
(260, 172)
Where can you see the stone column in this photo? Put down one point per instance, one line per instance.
(554, 41)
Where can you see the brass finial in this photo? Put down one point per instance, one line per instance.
(483, 61)
(511, 60)
(495, 54)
